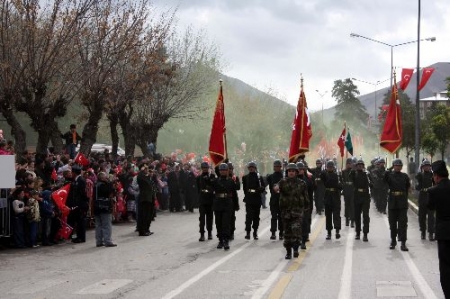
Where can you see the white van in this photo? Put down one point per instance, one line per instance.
(101, 147)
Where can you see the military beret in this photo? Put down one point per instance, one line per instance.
(439, 168)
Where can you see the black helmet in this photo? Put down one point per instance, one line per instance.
(301, 165)
(381, 160)
(251, 164)
(230, 165)
(223, 166)
(292, 166)
(277, 163)
(349, 161)
(426, 162)
(204, 165)
(330, 163)
(318, 161)
(397, 162)
(360, 162)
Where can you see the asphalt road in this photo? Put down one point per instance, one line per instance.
(172, 263)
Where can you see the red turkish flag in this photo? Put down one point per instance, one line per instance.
(392, 135)
(426, 74)
(406, 77)
(54, 176)
(60, 197)
(341, 142)
(217, 142)
(301, 129)
(81, 159)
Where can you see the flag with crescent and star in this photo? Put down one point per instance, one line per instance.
(341, 142)
(60, 197)
(426, 74)
(406, 78)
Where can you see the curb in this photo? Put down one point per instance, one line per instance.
(413, 207)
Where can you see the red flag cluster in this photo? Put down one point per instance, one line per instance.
(392, 135)
(301, 129)
(407, 75)
(217, 140)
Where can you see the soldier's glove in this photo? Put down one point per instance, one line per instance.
(236, 208)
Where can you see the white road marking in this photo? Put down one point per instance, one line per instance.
(104, 286)
(211, 268)
(265, 286)
(346, 279)
(38, 286)
(420, 281)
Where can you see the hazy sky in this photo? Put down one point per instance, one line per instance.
(269, 43)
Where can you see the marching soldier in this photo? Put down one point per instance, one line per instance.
(253, 185)
(332, 199)
(319, 192)
(424, 181)
(223, 188)
(348, 191)
(306, 224)
(206, 198)
(380, 188)
(399, 185)
(236, 207)
(361, 183)
(272, 180)
(293, 200)
(370, 170)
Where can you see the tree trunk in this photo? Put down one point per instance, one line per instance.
(20, 137)
(43, 139)
(147, 134)
(55, 137)
(90, 130)
(113, 122)
(129, 135)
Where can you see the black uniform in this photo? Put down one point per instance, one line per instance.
(276, 220)
(222, 206)
(253, 185)
(424, 181)
(236, 207)
(319, 191)
(399, 185)
(332, 200)
(206, 198)
(361, 183)
(349, 193)
(380, 189)
(439, 201)
(78, 201)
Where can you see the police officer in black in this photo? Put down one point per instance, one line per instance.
(319, 191)
(399, 185)
(424, 181)
(361, 183)
(236, 207)
(307, 212)
(348, 191)
(206, 197)
(253, 185)
(276, 220)
(332, 199)
(223, 188)
(439, 202)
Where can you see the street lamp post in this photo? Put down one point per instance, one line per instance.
(392, 46)
(321, 100)
(376, 89)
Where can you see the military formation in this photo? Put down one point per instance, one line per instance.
(295, 190)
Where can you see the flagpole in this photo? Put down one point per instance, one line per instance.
(346, 150)
(225, 133)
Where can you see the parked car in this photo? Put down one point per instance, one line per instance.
(101, 147)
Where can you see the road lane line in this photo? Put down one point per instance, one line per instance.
(420, 281)
(211, 268)
(280, 287)
(346, 279)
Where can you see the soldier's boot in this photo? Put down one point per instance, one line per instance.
(403, 246)
(296, 254)
(304, 240)
(338, 235)
(347, 221)
(393, 244)
(210, 237)
(352, 223)
(281, 237)
(202, 237)
(328, 235)
(288, 253)
(255, 234)
(358, 236)
(226, 244)
(422, 235)
(431, 237)
(231, 237)
(247, 235)
(365, 239)
(273, 236)
(220, 245)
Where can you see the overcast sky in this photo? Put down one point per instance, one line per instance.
(269, 43)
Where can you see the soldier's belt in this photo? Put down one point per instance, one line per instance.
(425, 189)
(318, 179)
(349, 183)
(251, 190)
(362, 190)
(331, 189)
(397, 193)
(205, 190)
(221, 195)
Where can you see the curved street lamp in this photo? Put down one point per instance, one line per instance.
(321, 100)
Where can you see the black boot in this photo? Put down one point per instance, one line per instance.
(352, 223)
(304, 240)
(273, 236)
(288, 253)
(393, 244)
(358, 236)
(210, 237)
(347, 221)
(247, 236)
(295, 251)
(281, 237)
(431, 237)
(403, 246)
(255, 235)
(365, 239)
(328, 235)
(422, 235)
(338, 235)
(220, 245)
(232, 237)
(202, 237)
(226, 244)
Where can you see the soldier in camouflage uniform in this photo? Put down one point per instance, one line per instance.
(306, 225)
(348, 193)
(293, 200)
(424, 181)
(319, 191)
(333, 187)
